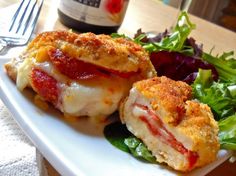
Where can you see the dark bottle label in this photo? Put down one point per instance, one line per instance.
(92, 3)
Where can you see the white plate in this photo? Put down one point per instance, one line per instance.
(77, 148)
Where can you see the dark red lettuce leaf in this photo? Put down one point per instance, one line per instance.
(198, 48)
(178, 66)
(151, 38)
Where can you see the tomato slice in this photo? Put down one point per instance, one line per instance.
(44, 85)
(157, 128)
(80, 70)
(121, 74)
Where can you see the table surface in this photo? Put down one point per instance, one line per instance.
(150, 16)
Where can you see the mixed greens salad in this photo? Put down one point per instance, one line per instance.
(213, 79)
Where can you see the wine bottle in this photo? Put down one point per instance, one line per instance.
(97, 16)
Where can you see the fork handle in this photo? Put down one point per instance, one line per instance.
(3, 47)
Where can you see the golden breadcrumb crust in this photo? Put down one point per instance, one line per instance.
(118, 54)
(11, 71)
(11, 67)
(199, 124)
(168, 94)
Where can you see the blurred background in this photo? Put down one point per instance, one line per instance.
(220, 12)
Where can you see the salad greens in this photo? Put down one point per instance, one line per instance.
(213, 79)
(115, 133)
(218, 95)
(116, 35)
(118, 135)
(174, 41)
(224, 64)
(227, 133)
(138, 149)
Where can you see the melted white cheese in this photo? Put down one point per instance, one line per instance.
(81, 100)
(23, 72)
(98, 97)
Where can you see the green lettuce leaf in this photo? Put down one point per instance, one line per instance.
(175, 41)
(139, 150)
(118, 135)
(224, 64)
(221, 97)
(116, 35)
(227, 134)
(115, 133)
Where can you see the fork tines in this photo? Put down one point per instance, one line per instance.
(25, 17)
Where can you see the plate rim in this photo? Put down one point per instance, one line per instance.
(39, 141)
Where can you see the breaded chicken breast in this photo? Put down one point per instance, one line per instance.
(80, 74)
(177, 130)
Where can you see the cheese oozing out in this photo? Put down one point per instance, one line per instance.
(23, 73)
(81, 100)
(95, 98)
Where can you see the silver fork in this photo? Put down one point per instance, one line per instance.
(22, 25)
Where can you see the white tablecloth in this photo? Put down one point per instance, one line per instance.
(18, 156)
